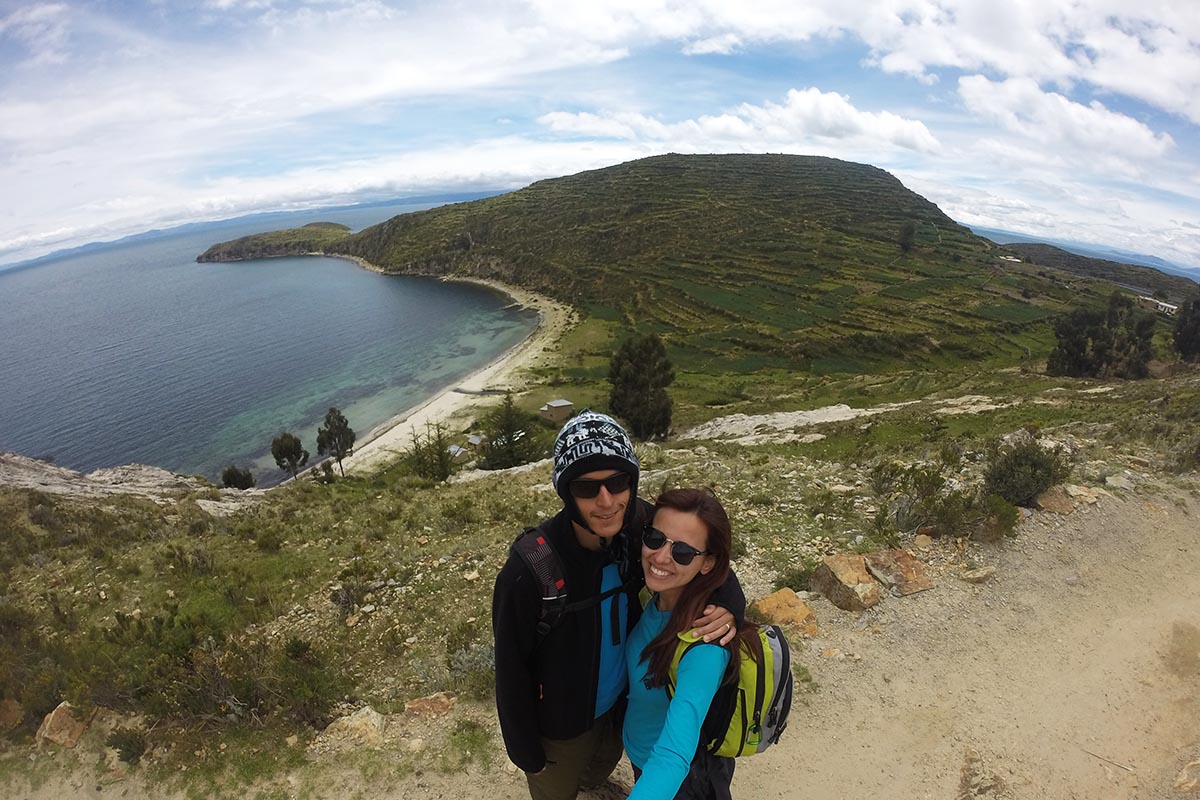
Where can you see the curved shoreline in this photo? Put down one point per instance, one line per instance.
(386, 442)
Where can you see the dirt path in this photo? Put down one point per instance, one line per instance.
(1087, 638)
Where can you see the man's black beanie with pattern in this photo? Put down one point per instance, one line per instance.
(590, 442)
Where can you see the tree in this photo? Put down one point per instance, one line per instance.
(1115, 343)
(289, 453)
(640, 373)
(235, 477)
(908, 236)
(335, 437)
(513, 437)
(429, 455)
(1187, 330)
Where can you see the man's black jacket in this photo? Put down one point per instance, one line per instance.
(549, 689)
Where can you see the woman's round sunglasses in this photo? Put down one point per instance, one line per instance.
(682, 552)
(587, 488)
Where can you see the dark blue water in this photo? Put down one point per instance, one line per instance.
(136, 354)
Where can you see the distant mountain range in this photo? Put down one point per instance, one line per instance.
(1092, 251)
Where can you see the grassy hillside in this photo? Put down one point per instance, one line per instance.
(743, 262)
(1151, 281)
(311, 238)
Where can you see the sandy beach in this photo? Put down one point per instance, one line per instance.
(386, 442)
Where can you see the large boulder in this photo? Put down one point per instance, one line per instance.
(62, 726)
(898, 571)
(845, 581)
(784, 607)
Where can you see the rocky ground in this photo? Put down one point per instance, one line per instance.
(1072, 670)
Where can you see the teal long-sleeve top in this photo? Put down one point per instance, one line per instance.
(661, 735)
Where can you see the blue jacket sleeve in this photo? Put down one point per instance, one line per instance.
(700, 673)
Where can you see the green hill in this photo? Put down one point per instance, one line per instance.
(314, 237)
(742, 262)
(1145, 279)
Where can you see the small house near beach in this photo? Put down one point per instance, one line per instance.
(557, 410)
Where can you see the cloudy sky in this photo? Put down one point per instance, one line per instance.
(1072, 119)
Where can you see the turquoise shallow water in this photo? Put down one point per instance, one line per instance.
(136, 354)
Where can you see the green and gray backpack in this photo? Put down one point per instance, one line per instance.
(749, 715)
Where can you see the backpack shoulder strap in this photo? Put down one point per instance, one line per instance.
(544, 563)
(534, 548)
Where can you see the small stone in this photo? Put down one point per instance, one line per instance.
(473, 575)
(432, 705)
(1055, 500)
(1119, 482)
(11, 714)
(414, 745)
(922, 542)
(1188, 780)
(293, 740)
(411, 640)
(842, 489)
(368, 608)
(352, 620)
(170, 594)
(978, 575)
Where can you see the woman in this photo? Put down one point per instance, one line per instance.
(685, 555)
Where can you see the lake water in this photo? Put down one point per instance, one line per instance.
(137, 354)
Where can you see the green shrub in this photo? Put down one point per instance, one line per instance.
(1000, 519)
(269, 541)
(235, 477)
(471, 661)
(129, 744)
(1021, 472)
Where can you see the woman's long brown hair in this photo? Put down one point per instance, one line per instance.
(695, 595)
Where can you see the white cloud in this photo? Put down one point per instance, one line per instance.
(1090, 132)
(41, 28)
(805, 116)
(111, 121)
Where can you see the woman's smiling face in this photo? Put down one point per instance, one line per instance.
(664, 574)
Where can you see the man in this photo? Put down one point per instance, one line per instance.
(560, 669)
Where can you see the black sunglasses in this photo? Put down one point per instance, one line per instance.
(682, 552)
(587, 488)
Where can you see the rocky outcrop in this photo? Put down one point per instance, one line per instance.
(898, 571)
(784, 607)
(845, 581)
(22, 472)
(364, 726)
(62, 727)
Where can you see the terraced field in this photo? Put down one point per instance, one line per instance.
(744, 262)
